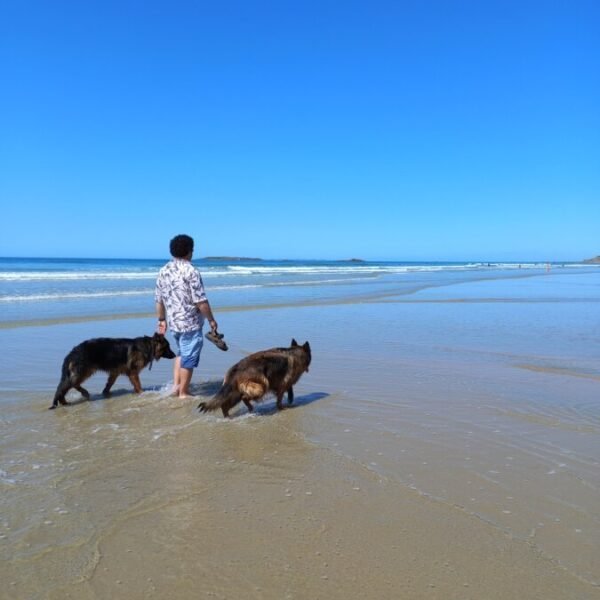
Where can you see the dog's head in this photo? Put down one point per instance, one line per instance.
(305, 350)
(161, 347)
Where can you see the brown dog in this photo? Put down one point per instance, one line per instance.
(275, 370)
(116, 356)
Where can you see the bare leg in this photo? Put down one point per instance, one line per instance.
(185, 377)
(176, 376)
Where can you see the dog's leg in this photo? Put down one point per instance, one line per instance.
(290, 395)
(279, 400)
(135, 382)
(248, 404)
(234, 397)
(228, 404)
(82, 391)
(63, 387)
(109, 383)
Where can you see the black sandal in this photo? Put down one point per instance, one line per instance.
(216, 339)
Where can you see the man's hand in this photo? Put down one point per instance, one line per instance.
(213, 325)
(162, 327)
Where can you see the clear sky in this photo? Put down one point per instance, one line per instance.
(450, 130)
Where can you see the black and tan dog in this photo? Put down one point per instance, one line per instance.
(116, 356)
(275, 370)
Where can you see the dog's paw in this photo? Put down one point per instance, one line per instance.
(63, 403)
(202, 407)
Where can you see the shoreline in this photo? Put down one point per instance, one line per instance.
(237, 309)
(371, 297)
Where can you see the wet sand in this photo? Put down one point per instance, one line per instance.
(150, 501)
(435, 450)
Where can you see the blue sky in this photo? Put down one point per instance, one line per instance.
(382, 130)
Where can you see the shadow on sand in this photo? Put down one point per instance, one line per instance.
(269, 408)
(266, 407)
(208, 389)
(74, 400)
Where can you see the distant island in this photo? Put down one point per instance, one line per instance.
(230, 258)
(592, 261)
(247, 258)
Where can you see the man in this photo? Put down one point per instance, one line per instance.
(182, 306)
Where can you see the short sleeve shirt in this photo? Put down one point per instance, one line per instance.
(179, 287)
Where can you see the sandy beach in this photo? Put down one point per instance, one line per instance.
(443, 445)
(412, 188)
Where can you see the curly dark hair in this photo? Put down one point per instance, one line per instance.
(181, 246)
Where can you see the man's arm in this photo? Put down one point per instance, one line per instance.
(161, 315)
(205, 310)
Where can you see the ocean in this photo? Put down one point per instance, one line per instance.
(444, 444)
(50, 290)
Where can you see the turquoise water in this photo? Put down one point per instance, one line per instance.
(40, 288)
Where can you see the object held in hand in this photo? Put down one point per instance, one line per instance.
(217, 339)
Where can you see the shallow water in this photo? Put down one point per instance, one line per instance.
(445, 444)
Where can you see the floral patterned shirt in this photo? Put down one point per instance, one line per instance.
(179, 287)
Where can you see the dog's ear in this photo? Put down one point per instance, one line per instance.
(306, 346)
(294, 343)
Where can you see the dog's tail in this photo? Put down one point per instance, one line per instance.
(222, 397)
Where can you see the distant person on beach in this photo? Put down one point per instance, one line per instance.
(182, 307)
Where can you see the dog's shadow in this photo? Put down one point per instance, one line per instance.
(270, 408)
(207, 388)
(264, 408)
(79, 399)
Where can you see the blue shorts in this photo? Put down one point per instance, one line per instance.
(188, 346)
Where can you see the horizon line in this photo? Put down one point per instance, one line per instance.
(345, 260)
